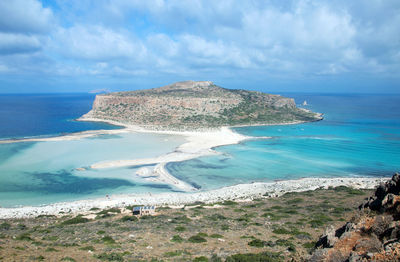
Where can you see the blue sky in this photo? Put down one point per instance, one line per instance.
(272, 46)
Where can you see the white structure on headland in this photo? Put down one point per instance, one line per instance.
(305, 103)
(144, 210)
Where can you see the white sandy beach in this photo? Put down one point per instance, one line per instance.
(242, 191)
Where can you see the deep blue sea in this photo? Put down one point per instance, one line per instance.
(45, 115)
(359, 136)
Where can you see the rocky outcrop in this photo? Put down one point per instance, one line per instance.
(372, 235)
(194, 105)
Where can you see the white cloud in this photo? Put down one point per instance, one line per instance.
(18, 43)
(25, 16)
(23, 25)
(97, 43)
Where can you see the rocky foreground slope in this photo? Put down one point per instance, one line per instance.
(194, 105)
(372, 235)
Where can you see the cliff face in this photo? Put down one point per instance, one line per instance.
(194, 105)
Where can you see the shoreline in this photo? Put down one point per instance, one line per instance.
(237, 192)
(197, 144)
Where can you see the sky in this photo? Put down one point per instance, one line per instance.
(274, 46)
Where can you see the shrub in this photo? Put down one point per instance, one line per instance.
(215, 217)
(349, 190)
(281, 230)
(180, 228)
(110, 210)
(111, 256)
(244, 218)
(197, 239)
(225, 227)
(286, 243)
(108, 240)
(5, 226)
(21, 227)
(75, 220)
(200, 259)
(68, 259)
(173, 253)
(51, 249)
(295, 201)
(181, 219)
(129, 218)
(87, 248)
(319, 220)
(24, 237)
(176, 238)
(309, 245)
(229, 203)
(264, 256)
(256, 243)
(216, 236)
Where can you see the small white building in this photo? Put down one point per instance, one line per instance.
(144, 210)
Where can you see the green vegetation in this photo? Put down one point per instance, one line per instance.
(173, 253)
(24, 237)
(176, 238)
(264, 256)
(291, 223)
(256, 243)
(200, 259)
(129, 218)
(229, 203)
(111, 256)
(349, 190)
(75, 220)
(110, 210)
(108, 240)
(87, 248)
(180, 228)
(197, 239)
(5, 226)
(51, 249)
(68, 259)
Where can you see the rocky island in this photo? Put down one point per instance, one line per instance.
(193, 105)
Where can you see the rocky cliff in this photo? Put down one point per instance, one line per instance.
(372, 235)
(194, 105)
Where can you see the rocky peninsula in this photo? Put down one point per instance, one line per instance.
(194, 105)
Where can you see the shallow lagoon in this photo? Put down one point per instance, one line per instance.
(35, 173)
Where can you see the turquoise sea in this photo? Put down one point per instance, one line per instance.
(359, 136)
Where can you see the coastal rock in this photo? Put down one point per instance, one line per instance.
(373, 236)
